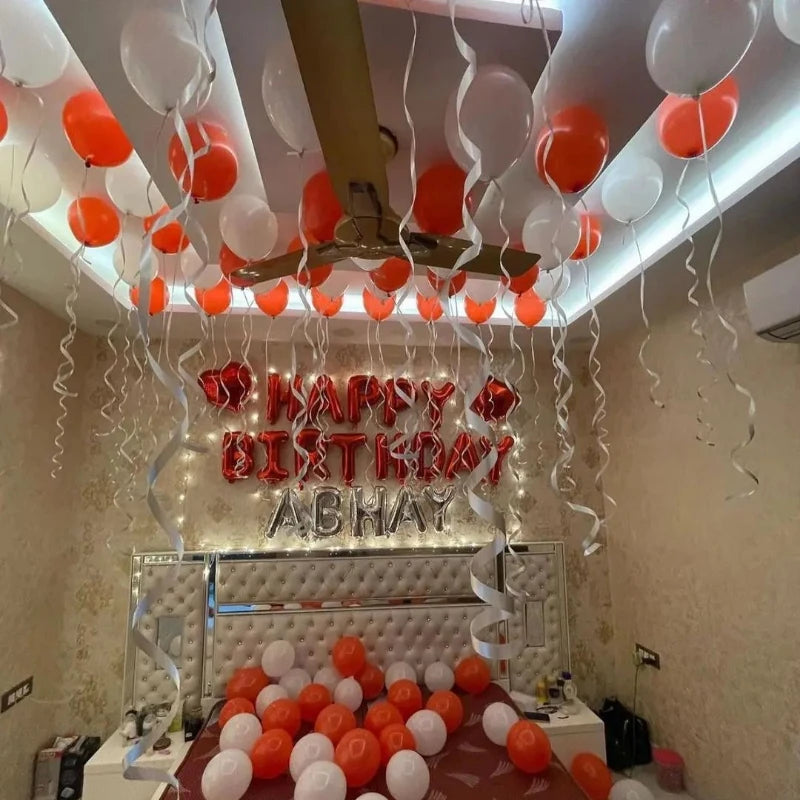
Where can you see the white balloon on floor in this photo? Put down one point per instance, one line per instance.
(628, 789)
(400, 671)
(227, 776)
(322, 780)
(407, 776)
(439, 677)
(429, 731)
(497, 721)
(327, 677)
(40, 179)
(240, 733)
(278, 658)
(349, 694)
(294, 681)
(248, 226)
(269, 694)
(310, 749)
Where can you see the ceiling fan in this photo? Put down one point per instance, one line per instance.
(329, 44)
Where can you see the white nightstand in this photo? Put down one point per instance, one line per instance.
(580, 732)
(102, 775)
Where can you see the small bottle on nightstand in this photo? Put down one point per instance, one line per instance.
(570, 693)
(541, 692)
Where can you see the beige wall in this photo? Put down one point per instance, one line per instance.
(36, 529)
(712, 585)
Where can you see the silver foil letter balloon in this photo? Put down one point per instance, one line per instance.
(406, 509)
(326, 510)
(289, 513)
(439, 500)
(372, 511)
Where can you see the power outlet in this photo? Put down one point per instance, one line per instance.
(16, 694)
(646, 657)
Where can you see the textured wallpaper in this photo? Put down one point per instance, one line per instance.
(215, 514)
(711, 584)
(36, 529)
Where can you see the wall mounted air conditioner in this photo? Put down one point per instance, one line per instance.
(773, 302)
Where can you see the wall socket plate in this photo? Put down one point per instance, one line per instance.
(646, 657)
(16, 694)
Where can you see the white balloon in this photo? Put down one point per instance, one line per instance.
(127, 186)
(628, 789)
(400, 671)
(322, 780)
(285, 99)
(787, 18)
(191, 264)
(407, 776)
(371, 796)
(349, 693)
(310, 749)
(294, 681)
(161, 58)
(367, 264)
(248, 226)
(481, 291)
(429, 730)
(439, 677)
(328, 677)
(269, 694)
(631, 187)
(227, 776)
(497, 721)
(128, 252)
(278, 658)
(40, 179)
(548, 221)
(554, 283)
(496, 116)
(36, 51)
(693, 46)
(240, 733)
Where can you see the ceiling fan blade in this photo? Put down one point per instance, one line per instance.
(280, 266)
(445, 251)
(329, 44)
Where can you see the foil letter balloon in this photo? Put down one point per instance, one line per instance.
(400, 394)
(312, 464)
(406, 509)
(289, 513)
(237, 456)
(435, 399)
(362, 391)
(463, 456)
(272, 471)
(424, 441)
(349, 444)
(371, 511)
(327, 511)
(439, 500)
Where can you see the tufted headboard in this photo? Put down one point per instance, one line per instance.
(414, 605)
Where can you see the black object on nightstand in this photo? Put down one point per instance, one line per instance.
(70, 779)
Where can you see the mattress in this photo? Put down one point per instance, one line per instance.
(469, 767)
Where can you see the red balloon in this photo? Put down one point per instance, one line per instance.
(214, 300)
(371, 680)
(428, 440)
(578, 149)
(284, 714)
(455, 285)
(229, 262)
(170, 238)
(3, 121)
(497, 400)
(380, 715)
(359, 755)
(349, 444)
(591, 233)
(472, 675)
(592, 775)
(324, 304)
(312, 699)
(238, 705)
(463, 456)
(435, 399)
(237, 456)
(272, 471)
(449, 707)
(383, 457)
(362, 391)
(318, 274)
(522, 283)
(528, 747)
(309, 439)
(271, 753)
(229, 387)
(349, 656)
(93, 221)
(246, 682)
(406, 697)
(530, 308)
(678, 121)
(429, 308)
(159, 296)
(378, 309)
(273, 302)
(479, 312)
(334, 721)
(394, 738)
(440, 193)
(321, 208)
(93, 131)
(392, 275)
(322, 398)
(215, 171)
(394, 400)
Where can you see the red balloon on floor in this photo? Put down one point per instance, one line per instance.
(448, 706)
(380, 715)
(359, 755)
(321, 208)
(472, 675)
(592, 775)
(440, 193)
(678, 121)
(284, 714)
(371, 680)
(215, 165)
(312, 699)
(170, 238)
(349, 656)
(159, 296)
(271, 753)
(246, 682)
(528, 747)
(578, 148)
(238, 705)
(394, 738)
(93, 131)
(334, 721)
(406, 697)
(93, 221)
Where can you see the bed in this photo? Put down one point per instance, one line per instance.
(413, 604)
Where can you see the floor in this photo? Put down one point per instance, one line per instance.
(647, 776)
